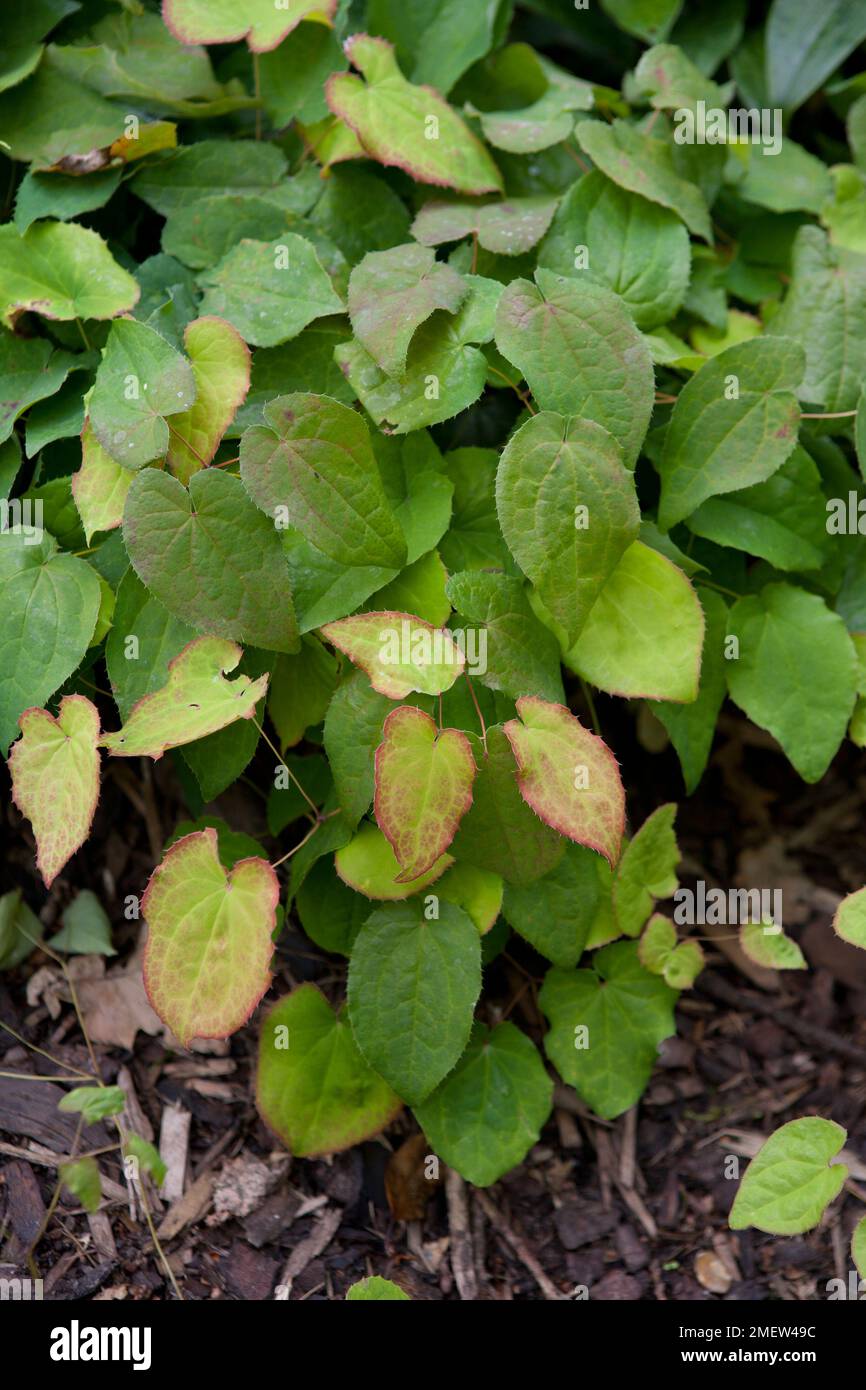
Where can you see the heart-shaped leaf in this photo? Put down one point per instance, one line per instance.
(140, 381)
(313, 458)
(556, 913)
(646, 871)
(368, 864)
(606, 1025)
(62, 271)
(408, 126)
(767, 945)
(55, 779)
(263, 23)
(314, 1090)
(850, 919)
(399, 652)
(423, 783)
(580, 352)
(221, 372)
(488, 1113)
(791, 1181)
(509, 228)
(270, 290)
(413, 985)
(211, 557)
(196, 701)
(568, 511)
(567, 775)
(99, 487)
(658, 951)
(644, 165)
(208, 954)
(392, 292)
(49, 602)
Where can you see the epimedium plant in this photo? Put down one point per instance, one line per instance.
(401, 388)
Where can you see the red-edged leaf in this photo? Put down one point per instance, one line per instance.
(55, 779)
(423, 788)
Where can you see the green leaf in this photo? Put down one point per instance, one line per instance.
(399, 652)
(86, 929)
(606, 1025)
(300, 691)
(423, 788)
(668, 78)
(646, 871)
(767, 945)
(353, 732)
(824, 310)
(20, 930)
(312, 460)
(221, 372)
(549, 120)
(368, 864)
(734, 424)
(146, 1157)
(567, 775)
(556, 912)
(82, 1179)
(226, 167)
(478, 892)
(140, 381)
(99, 487)
(790, 180)
(785, 635)
(208, 952)
(411, 127)
(650, 20)
(580, 352)
(268, 290)
(210, 557)
(850, 919)
(196, 701)
(522, 656)
(679, 965)
(93, 1102)
(55, 779)
(314, 1090)
(331, 913)
(858, 1247)
(263, 24)
(30, 370)
(691, 727)
(805, 46)
(782, 520)
(419, 588)
(568, 511)
(376, 1290)
(500, 833)
(49, 603)
(644, 635)
(137, 668)
(441, 40)
(640, 163)
(791, 1181)
(62, 196)
(62, 272)
(635, 247)
(444, 373)
(391, 293)
(412, 988)
(508, 228)
(488, 1113)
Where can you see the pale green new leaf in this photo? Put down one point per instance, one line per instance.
(195, 701)
(208, 953)
(791, 1180)
(850, 919)
(399, 652)
(412, 127)
(376, 1290)
(314, 1090)
(368, 864)
(262, 23)
(61, 271)
(767, 945)
(220, 363)
(55, 779)
(646, 871)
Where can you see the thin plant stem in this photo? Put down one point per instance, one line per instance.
(593, 714)
(826, 414)
(309, 800)
(477, 710)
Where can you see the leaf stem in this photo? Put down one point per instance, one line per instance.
(524, 395)
(477, 709)
(593, 714)
(80, 327)
(186, 444)
(826, 415)
(309, 800)
(258, 94)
